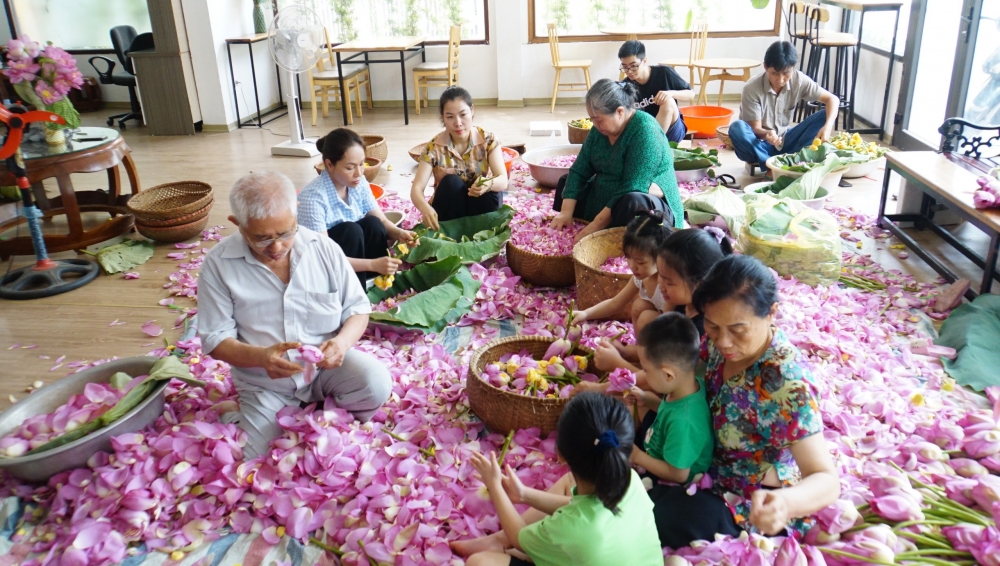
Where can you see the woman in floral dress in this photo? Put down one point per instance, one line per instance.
(772, 468)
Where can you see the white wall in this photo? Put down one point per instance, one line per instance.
(871, 88)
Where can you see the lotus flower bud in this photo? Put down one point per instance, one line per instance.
(492, 370)
(987, 552)
(967, 468)
(817, 536)
(814, 556)
(880, 533)
(983, 199)
(897, 508)
(959, 490)
(839, 517)
(991, 463)
(559, 349)
(963, 536)
(574, 334)
(983, 444)
(790, 553)
(555, 370)
(676, 561)
(987, 491)
(571, 365)
(945, 434)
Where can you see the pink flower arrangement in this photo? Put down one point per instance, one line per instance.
(43, 77)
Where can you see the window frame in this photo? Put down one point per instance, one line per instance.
(775, 31)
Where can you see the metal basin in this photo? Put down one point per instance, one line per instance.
(40, 467)
(691, 175)
(548, 175)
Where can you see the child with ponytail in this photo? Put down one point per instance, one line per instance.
(598, 514)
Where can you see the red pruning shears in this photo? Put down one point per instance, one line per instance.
(16, 118)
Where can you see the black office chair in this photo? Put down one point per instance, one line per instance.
(124, 39)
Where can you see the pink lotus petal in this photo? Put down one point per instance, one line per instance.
(131, 275)
(152, 329)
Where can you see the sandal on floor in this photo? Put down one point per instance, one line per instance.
(728, 181)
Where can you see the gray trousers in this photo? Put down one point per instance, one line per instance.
(360, 386)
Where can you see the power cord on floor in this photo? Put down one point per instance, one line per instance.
(247, 104)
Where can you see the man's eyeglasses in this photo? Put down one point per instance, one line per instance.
(631, 68)
(261, 244)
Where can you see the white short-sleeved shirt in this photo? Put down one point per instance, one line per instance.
(320, 207)
(239, 297)
(775, 110)
(657, 299)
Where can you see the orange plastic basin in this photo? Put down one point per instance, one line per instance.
(703, 120)
(377, 190)
(509, 155)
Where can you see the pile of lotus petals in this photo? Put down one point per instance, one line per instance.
(564, 161)
(531, 228)
(616, 264)
(553, 376)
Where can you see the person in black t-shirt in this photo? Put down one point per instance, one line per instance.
(660, 87)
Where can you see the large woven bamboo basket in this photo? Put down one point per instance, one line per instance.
(504, 411)
(375, 146)
(576, 135)
(593, 284)
(541, 270)
(170, 200)
(372, 167)
(723, 133)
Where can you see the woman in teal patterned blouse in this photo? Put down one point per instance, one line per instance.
(772, 468)
(624, 167)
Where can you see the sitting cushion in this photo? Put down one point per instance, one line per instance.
(431, 66)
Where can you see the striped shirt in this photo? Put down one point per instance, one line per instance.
(320, 207)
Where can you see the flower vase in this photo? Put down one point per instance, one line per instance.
(55, 137)
(259, 22)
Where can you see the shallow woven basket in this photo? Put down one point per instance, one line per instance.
(186, 219)
(170, 200)
(593, 284)
(372, 167)
(171, 234)
(576, 135)
(541, 270)
(504, 411)
(723, 133)
(416, 151)
(376, 147)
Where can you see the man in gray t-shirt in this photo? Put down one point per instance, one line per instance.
(768, 102)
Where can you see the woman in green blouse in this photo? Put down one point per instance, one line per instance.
(625, 166)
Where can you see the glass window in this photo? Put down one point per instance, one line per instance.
(878, 28)
(588, 17)
(350, 19)
(982, 106)
(78, 24)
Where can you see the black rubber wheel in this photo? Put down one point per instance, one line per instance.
(121, 125)
(111, 121)
(26, 283)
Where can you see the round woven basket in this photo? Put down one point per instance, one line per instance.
(723, 133)
(372, 167)
(593, 284)
(416, 151)
(186, 219)
(541, 270)
(170, 200)
(171, 234)
(504, 411)
(576, 135)
(375, 146)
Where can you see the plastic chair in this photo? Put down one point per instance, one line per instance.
(124, 40)
(699, 38)
(438, 73)
(559, 65)
(324, 83)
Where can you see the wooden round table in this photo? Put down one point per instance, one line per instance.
(89, 150)
(725, 65)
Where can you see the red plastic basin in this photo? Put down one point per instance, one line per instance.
(703, 120)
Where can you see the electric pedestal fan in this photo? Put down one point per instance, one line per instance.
(295, 42)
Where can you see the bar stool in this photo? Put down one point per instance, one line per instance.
(800, 32)
(820, 54)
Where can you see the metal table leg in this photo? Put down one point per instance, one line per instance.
(888, 80)
(402, 69)
(884, 198)
(232, 79)
(256, 96)
(343, 95)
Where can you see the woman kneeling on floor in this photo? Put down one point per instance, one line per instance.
(340, 203)
(624, 167)
(466, 161)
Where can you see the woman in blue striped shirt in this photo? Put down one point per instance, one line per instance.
(340, 203)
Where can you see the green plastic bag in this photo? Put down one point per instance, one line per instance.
(792, 239)
(474, 239)
(973, 329)
(445, 293)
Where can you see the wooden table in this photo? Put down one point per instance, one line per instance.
(950, 182)
(104, 151)
(724, 65)
(631, 33)
(249, 40)
(864, 6)
(412, 44)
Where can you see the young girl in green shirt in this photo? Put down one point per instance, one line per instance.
(596, 515)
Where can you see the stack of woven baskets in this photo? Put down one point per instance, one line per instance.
(172, 212)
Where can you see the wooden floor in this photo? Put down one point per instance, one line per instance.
(76, 324)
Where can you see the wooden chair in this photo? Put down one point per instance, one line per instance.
(559, 65)
(324, 83)
(438, 73)
(699, 38)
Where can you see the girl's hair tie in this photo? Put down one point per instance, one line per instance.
(607, 439)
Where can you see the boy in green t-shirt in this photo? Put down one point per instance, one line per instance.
(679, 443)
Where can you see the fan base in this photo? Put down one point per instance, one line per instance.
(307, 148)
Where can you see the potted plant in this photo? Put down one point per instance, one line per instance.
(43, 77)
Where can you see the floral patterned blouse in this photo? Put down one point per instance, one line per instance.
(756, 416)
(474, 163)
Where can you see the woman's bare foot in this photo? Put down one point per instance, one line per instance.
(466, 548)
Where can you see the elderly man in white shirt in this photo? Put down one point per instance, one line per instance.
(272, 287)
